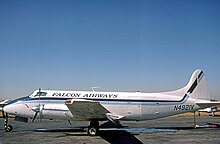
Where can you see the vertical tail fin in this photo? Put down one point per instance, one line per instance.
(196, 88)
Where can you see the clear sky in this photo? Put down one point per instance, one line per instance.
(117, 45)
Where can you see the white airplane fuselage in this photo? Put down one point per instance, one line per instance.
(131, 105)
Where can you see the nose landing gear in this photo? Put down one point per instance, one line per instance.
(8, 128)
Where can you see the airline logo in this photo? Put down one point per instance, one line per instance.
(86, 95)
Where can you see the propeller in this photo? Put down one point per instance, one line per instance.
(38, 109)
(2, 105)
(4, 114)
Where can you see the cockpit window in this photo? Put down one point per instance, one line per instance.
(41, 94)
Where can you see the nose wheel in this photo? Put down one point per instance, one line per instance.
(8, 128)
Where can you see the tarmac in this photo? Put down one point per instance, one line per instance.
(170, 130)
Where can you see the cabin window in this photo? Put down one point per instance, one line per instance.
(41, 94)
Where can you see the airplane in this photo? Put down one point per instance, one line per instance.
(95, 106)
(212, 110)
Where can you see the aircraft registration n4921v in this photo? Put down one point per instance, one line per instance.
(95, 106)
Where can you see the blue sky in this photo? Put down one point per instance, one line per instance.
(116, 45)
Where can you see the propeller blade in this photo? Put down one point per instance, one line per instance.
(35, 116)
(38, 110)
(41, 112)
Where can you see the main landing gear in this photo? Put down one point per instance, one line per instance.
(8, 128)
(93, 128)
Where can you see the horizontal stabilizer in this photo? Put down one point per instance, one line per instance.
(207, 104)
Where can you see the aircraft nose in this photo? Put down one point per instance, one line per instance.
(19, 109)
(9, 109)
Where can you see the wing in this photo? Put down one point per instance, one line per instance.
(86, 109)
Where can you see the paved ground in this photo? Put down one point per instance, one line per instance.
(182, 132)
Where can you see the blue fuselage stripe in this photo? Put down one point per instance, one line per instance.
(108, 100)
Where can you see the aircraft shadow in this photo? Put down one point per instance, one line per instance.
(111, 136)
(119, 137)
(116, 133)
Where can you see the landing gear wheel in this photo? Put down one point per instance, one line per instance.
(92, 131)
(9, 128)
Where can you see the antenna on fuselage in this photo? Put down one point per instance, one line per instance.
(39, 95)
(93, 88)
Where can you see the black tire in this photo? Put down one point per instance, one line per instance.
(92, 131)
(9, 128)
